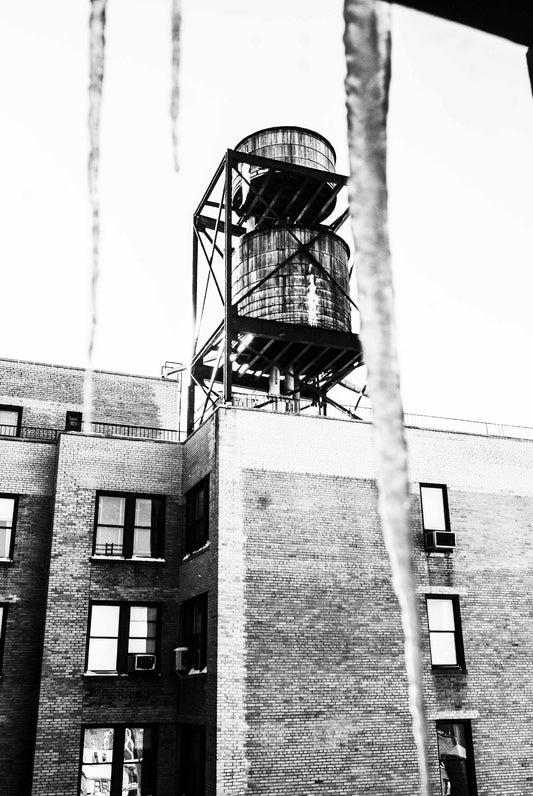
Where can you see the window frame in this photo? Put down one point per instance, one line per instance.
(123, 638)
(157, 528)
(190, 637)
(446, 510)
(193, 540)
(15, 498)
(469, 746)
(457, 632)
(117, 762)
(3, 626)
(72, 419)
(10, 408)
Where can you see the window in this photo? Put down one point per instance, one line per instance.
(8, 513)
(123, 639)
(10, 419)
(192, 760)
(129, 526)
(456, 758)
(436, 519)
(445, 640)
(118, 760)
(197, 516)
(195, 633)
(3, 618)
(73, 421)
(434, 500)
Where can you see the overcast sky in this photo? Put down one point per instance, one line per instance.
(460, 176)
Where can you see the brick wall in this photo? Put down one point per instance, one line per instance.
(198, 574)
(47, 392)
(68, 698)
(311, 688)
(305, 689)
(27, 471)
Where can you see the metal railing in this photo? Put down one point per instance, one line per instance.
(280, 403)
(277, 403)
(42, 434)
(133, 432)
(30, 432)
(108, 549)
(7, 430)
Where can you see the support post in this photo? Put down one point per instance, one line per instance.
(190, 402)
(227, 273)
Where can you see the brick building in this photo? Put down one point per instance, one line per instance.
(215, 615)
(89, 522)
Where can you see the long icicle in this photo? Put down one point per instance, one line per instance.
(367, 47)
(96, 79)
(175, 93)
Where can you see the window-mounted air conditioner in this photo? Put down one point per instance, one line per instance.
(144, 662)
(440, 541)
(180, 659)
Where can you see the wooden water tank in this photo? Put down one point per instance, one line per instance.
(294, 198)
(299, 292)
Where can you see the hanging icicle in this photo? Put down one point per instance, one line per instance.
(96, 79)
(367, 46)
(175, 95)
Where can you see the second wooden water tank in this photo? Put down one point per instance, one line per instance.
(299, 292)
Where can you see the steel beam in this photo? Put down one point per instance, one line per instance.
(227, 268)
(509, 19)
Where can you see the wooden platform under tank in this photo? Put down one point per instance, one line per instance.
(322, 356)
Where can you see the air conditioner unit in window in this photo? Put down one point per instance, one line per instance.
(440, 541)
(180, 659)
(144, 662)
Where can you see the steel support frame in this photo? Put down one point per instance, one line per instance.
(202, 222)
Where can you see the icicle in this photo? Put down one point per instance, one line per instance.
(367, 46)
(175, 95)
(97, 48)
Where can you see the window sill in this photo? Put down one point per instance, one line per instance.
(451, 667)
(135, 560)
(6, 561)
(195, 553)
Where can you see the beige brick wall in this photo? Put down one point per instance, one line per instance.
(47, 392)
(311, 689)
(68, 699)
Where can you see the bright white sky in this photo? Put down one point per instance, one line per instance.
(460, 173)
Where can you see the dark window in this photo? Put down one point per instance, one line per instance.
(445, 638)
(73, 421)
(197, 516)
(456, 758)
(434, 500)
(123, 638)
(192, 760)
(3, 619)
(118, 760)
(195, 633)
(8, 515)
(129, 526)
(10, 420)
